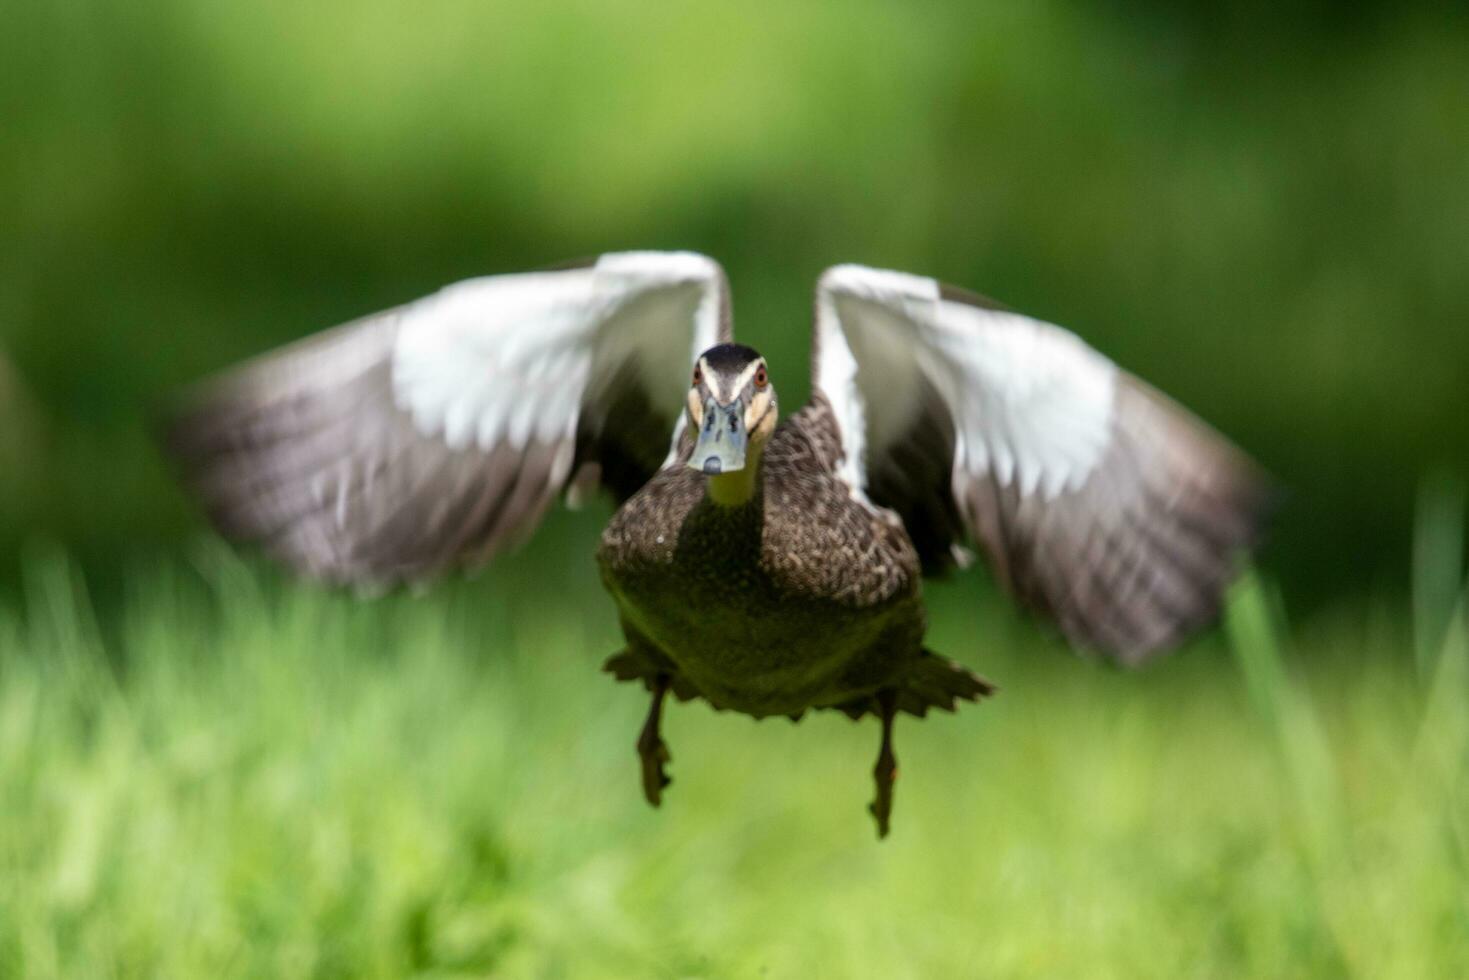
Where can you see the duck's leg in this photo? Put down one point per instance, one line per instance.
(885, 773)
(651, 750)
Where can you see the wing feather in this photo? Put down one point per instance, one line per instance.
(1097, 501)
(431, 436)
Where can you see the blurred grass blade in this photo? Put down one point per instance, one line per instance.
(1255, 640)
(61, 626)
(1438, 566)
(1257, 631)
(1258, 636)
(1444, 731)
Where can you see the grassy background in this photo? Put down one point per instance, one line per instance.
(206, 770)
(242, 778)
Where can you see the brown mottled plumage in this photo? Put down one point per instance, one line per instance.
(802, 598)
(769, 569)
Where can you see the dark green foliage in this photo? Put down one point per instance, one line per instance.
(1265, 212)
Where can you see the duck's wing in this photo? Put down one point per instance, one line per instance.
(1097, 501)
(426, 437)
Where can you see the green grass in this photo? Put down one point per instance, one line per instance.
(229, 776)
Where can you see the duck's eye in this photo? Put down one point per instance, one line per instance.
(698, 375)
(761, 379)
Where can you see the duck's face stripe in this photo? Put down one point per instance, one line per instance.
(760, 415)
(696, 406)
(740, 381)
(723, 387)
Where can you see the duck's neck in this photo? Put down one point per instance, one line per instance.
(738, 488)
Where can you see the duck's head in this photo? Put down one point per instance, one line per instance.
(731, 409)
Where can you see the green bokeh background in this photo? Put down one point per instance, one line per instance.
(1265, 212)
(208, 770)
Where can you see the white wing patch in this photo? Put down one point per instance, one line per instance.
(432, 436)
(647, 291)
(1041, 412)
(1030, 402)
(473, 358)
(514, 358)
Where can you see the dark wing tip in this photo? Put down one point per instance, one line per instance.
(1140, 558)
(1204, 507)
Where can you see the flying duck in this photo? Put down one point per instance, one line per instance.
(767, 566)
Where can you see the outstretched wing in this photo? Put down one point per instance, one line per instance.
(1097, 501)
(427, 437)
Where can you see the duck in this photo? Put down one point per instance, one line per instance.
(769, 566)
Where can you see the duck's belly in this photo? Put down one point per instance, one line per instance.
(749, 646)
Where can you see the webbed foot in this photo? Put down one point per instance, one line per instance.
(885, 773)
(651, 750)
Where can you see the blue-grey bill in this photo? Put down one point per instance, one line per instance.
(720, 447)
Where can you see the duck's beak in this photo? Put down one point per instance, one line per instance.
(722, 439)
